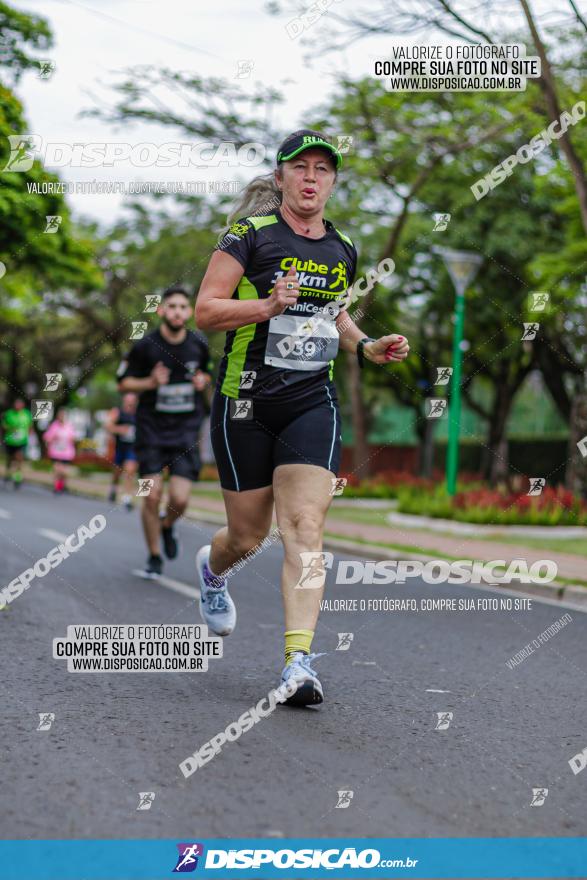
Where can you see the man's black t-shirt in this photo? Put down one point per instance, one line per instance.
(290, 355)
(172, 414)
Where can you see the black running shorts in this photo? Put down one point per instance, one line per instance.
(251, 438)
(180, 461)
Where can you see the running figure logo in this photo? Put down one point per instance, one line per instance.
(145, 487)
(582, 446)
(341, 277)
(46, 69)
(314, 565)
(138, 329)
(53, 221)
(146, 798)
(247, 379)
(539, 301)
(43, 409)
(52, 381)
(241, 409)
(443, 375)
(539, 795)
(444, 719)
(437, 407)
(21, 151)
(530, 331)
(441, 222)
(187, 860)
(537, 484)
(152, 302)
(344, 799)
(338, 484)
(343, 143)
(46, 719)
(344, 641)
(244, 68)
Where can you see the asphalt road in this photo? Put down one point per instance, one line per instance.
(118, 734)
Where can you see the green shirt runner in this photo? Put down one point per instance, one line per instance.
(17, 424)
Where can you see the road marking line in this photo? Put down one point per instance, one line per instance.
(5, 514)
(434, 691)
(179, 587)
(364, 663)
(52, 535)
(171, 584)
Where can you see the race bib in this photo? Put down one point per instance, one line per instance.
(130, 435)
(301, 343)
(176, 398)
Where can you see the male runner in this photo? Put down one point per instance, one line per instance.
(121, 423)
(16, 423)
(168, 370)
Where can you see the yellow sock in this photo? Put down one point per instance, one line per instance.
(297, 640)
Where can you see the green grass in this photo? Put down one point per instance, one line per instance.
(354, 515)
(578, 546)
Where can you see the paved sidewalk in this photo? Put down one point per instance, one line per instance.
(420, 543)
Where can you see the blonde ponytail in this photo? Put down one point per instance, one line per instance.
(260, 196)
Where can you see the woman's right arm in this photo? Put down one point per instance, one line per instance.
(215, 309)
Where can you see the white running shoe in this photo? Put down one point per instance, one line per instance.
(216, 607)
(309, 691)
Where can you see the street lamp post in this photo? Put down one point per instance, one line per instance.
(462, 267)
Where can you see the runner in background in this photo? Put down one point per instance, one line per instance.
(121, 423)
(168, 369)
(16, 423)
(60, 442)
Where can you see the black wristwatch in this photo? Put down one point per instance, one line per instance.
(360, 344)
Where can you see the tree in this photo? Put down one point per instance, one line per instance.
(22, 32)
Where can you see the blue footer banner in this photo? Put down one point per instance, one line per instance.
(382, 858)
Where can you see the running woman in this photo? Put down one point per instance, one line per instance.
(16, 422)
(168, 370)
(60, 442)
(277, 283)
(121, 423)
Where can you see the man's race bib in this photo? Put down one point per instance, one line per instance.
(301, 343)
(176, 398)
(130, 434)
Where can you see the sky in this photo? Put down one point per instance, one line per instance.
(95, 39)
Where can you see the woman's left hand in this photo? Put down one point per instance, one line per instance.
(387, 349)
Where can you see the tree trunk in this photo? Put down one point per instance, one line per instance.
(497, 461)
(361, 459)
(426, 461)
(14, 389)
(548, 86)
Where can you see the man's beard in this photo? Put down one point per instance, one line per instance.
(171, 327)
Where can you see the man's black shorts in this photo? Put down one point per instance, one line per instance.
(180, 461)
(302, 431)
(12, 450)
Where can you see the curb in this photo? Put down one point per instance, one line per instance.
(556, 591)
(457, 527)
